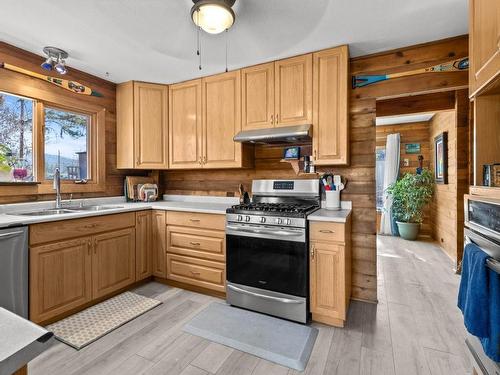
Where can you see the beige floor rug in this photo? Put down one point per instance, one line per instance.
(87, 326)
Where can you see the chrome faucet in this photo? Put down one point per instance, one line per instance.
(57, 187)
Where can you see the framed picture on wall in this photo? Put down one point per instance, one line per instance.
(441, 158)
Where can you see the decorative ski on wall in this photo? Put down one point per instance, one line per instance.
(72, 86)
(450, 66)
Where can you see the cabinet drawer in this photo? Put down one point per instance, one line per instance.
(326, 231)
(64, 229)
(202, 273)
(194, 219)
(197, 243)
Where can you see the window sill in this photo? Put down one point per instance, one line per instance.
(18, 183)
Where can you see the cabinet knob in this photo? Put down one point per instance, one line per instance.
(277, 118)
(272, 119)
(200, 161)
(312, 253)
(204, 160)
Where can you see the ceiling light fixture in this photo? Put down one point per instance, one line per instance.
(213, 16)
(55, 60)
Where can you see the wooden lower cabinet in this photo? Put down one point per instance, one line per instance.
(113, 261)
(159, 246)
(70, 273)
(60, 277)
(330, 272)
(143, 246)
(196, 250)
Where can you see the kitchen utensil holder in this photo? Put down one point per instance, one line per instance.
(332, 200)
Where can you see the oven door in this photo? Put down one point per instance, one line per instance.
(259, 257)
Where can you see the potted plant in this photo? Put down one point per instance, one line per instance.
(5, 163)
(410, 195)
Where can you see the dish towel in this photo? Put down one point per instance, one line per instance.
(479, 300)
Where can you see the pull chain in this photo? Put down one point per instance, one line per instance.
(198, 38)
(226, 48)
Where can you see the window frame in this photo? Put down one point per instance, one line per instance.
(95, 149)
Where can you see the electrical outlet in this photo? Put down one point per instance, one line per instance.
(406, 162)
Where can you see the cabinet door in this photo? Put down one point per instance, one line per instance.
(221, 120)
(327, 280)
(159, 244)
(143, 246)
(257, 97)
(484, 40)
(60, 278)
(113, 261)
(330, 106)
(151, 125)
(293, 95)
(185, 125)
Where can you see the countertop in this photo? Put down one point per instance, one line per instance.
(202, 204)
(339, 216)
(21, 341)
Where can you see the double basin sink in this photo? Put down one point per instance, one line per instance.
(67, 210)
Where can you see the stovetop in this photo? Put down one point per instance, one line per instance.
(274, 209)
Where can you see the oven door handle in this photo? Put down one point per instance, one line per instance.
(261, 231)
(253, 294)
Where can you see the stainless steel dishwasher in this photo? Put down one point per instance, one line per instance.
(14, 270)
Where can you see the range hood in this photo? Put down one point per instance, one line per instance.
(276, 136)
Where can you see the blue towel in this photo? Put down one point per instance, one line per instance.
(479, 300)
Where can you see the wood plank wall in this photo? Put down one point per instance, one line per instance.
(361, 172)
(417, 132)
(30, 61)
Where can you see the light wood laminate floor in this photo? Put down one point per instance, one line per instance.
(414, 329)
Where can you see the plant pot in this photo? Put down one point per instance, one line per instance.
(6, 176)
(408, 231)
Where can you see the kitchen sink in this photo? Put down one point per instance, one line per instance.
(42, 212)
(95, 208)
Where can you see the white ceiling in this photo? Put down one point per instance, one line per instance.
(154, 40)
(403, 119)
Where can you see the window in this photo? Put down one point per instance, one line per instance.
(38, 136)
(66, 141)
(16, 138)
(379, 172)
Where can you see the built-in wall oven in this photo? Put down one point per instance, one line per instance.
(482, 227)
(267, 252)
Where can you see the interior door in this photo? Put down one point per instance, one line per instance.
(185, 125)
(113, 261)
(257, 97)
(151, 125)
(159, 244)
(293, 95)
(327, 288)
(60, 278)
(143, 245)
(221, 120)
(484, 33)
(330, 104)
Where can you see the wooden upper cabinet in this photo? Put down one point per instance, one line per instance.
(113, 261)
(142, 125)
(185, 125)
(330, 106)
(293, 91)
(159, 244)
(143, 245)
(257, 97)
(60, 278)
(484, 42)
(221, 120)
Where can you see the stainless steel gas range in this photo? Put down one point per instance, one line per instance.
(267, 248)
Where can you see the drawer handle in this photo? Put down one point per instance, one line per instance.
(195, 243)
(194, 220)
(326, 231)
(90, 226)
(194, 272)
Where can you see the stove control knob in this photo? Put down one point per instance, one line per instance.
(247, 218)
(262, 219)
(288, 222)
(240, 218)
(279, 220)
